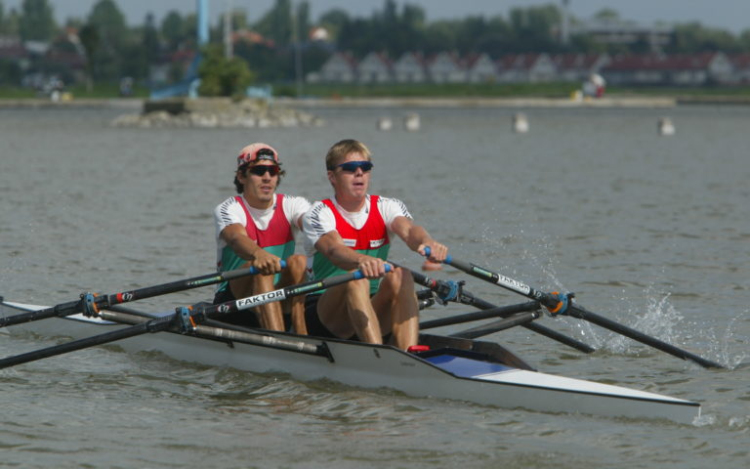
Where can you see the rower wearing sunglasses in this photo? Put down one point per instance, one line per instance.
(256, 229)
(351, 231)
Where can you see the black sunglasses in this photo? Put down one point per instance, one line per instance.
(351, 166)
(260, 170)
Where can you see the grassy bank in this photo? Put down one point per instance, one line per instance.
(518, 90)
(99, 91)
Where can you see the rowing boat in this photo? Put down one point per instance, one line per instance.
(453, 368)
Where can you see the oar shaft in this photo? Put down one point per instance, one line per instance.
(119, 334)
(63, 309)
(503, 311)
(577, 311)
(499, 325)
(171, 321)
(581, 313)
(467, 298)
(503, 281)
(546, 332)
(105, 301)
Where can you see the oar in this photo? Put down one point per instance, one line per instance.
(503, 311)
(224, 332)
(90, 304)
(499, 325)
(563, 304)
(449, 291)
(183, 319)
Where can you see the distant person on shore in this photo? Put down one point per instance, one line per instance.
(126, 87)
(256, 228)
(352, 231)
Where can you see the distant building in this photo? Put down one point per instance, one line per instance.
(671, 70)
(376, 67)
(644, 69)
(526, 68)
(578, 67)
(11, 48)
(339, 68)
(617, 31)
(171, 68)
(250, 37)
(411, 68)
(446, 67)
(480, 68)
(741, 66)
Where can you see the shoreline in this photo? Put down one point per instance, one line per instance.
(414, 102)
(519, 102)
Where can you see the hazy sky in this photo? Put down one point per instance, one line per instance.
(733, 15)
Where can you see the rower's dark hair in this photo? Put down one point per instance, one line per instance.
(243, 170)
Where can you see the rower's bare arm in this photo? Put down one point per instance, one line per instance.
(332, 246)
(236, 237)
(417, 238)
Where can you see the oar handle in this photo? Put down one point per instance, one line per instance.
(209, 279)
(546, 299)
(278, 295)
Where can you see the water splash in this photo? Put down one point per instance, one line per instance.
(705, 420)
(720, 346)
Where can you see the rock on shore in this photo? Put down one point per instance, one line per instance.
(216, 113)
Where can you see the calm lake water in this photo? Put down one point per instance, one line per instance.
(651, 231)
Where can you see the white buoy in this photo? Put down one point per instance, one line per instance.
(666, 127)
(520, 124)
(385, 123)
(411, 122)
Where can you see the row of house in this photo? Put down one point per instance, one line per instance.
(648, 69)
(64, 54)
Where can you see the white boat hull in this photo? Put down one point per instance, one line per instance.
(457, 369)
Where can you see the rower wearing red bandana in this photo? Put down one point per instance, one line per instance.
(257, 229)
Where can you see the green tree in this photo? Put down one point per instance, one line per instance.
(107, 17)
(303, 21)
(744, 41)
(37, 21)
(221, 76)
(440, 36)
(533, 28)
(12, 23)
(89, 36)
(607, 14)
(333, 21)
(150, 40)
(173, 30)
(693, 37)
(277, 23)
(112, 34)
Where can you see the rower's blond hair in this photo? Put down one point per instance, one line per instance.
(340, 149)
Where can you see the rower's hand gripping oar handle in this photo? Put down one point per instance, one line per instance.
(555, 303)
(90, 307)
(187, 318)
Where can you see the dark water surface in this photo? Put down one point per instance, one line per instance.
(651, 231)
